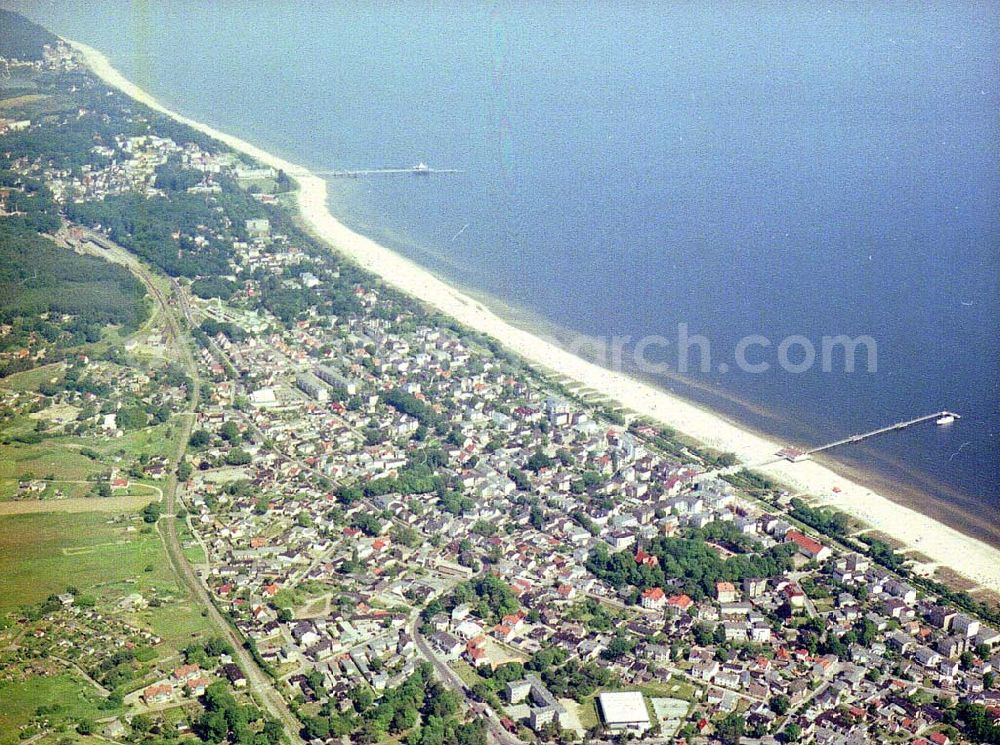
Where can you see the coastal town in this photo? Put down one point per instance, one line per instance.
(354, 520)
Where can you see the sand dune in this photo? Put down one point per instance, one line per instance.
(943, 545)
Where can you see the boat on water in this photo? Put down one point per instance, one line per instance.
(421, 169)
(946, 419)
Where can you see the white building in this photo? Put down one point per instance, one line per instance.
(624, 711)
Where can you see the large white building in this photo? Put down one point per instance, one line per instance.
(624, 711)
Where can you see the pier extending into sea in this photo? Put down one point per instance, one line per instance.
(421, 169)
(795, 454)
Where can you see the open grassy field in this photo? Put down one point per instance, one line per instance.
(17, 101)
(464, 670)
(676, 688)
(151, 441)
(8, 488)
(586, 713)
(123, 503)
(193, 551)
(59, 738)
(29, 380)
(42, 553)
(46, 458)
(177, 622)
(54, 490)
(160, 439)
(20, 699)
(60, 457)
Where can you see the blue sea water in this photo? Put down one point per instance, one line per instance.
(742, 168)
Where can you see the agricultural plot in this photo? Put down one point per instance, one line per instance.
(43, 553)
(70, 697)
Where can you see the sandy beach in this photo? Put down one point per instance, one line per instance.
(943, 545)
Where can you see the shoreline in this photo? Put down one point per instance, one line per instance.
(941, 544)
(920, 492)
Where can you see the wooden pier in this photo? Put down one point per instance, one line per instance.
(795, 454)
(417, 170)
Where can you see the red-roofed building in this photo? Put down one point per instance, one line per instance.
(641, 557)
(503, 633)
(478, 657)
(807, 546)
(679, 602)
(197, 686)
(796, 598)
(725, 592)
(187, 672)
(158, 694)
(514, 620)
(654, 598)
(520, 586)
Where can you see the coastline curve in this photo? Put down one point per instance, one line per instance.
(941, 544)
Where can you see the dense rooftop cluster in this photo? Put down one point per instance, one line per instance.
(422, 538)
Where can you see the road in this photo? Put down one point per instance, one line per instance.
(450, 678)
(258, 681)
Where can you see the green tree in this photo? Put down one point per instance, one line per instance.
(731, 728)
(538, 460)
(131, 417)
(780, 705)
(151, 512)
(238, 457)
(362, 698)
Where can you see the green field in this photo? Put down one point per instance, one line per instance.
(152, 441)
(47, 458)
(176, 622)
(677, 687)
(76, 698)
(43, 553)
(60, 457)
(587, 711)
(464, 670)
(53, 490)
(20, 101)
(193, 551)
(29, 380)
